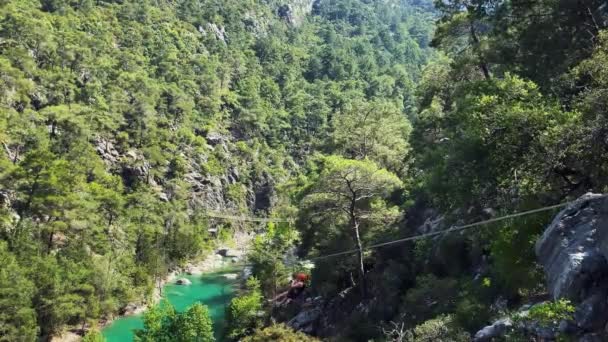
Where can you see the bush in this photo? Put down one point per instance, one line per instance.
(551, 312)
(93, 336)
(244, 311)
(441, 329)
(279, 332)
(471, 314)
(163, 323)
(177, 167)
(431, 296)
(267, 257)
(546, 315)
(512, 250)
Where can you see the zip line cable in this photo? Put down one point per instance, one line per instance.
(453, 229)
(411, 238)
(247, 218)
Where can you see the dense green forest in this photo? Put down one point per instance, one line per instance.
(123, 123)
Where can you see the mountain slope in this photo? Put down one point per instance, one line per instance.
(122, 122)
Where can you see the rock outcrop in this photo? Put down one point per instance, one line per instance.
(574, 254)
(208, 189)
(496, 330)
(183, 281)
(218, 31)
(106, 150)
(574, 249)
(231, 276)
(229, 253)
(294, 11)
(305, 320)
(6, 198)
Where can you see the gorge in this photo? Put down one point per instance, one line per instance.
(139, 137)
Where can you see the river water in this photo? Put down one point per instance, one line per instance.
(212, 289)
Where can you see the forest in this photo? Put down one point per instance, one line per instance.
(124, 124)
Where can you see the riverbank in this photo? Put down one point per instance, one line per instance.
(215, 261)
(215, 290)
(221, 258)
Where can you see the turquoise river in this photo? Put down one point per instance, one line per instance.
(212, 289)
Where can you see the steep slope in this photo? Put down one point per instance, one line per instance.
(123, 122)
(511, 116)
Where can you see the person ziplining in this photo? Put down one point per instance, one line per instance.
(297, 286)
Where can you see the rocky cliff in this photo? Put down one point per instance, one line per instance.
(574, 254)
(210, 186)
(295, 11)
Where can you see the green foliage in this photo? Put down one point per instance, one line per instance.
(495, 132)
(245, 311)
(551, 313)
(441, 328)
(471, 314)
(17, 317)
(93, 336)
(349, 200)
(486, 33)
(278, 332)
(508, 124)
(268, 254)
(507, 130)
(512, 250)
(430, 297)
(194, 325)
(163, 323)
(378, 131)
(110, 114)
(237, 193)
(177, 167)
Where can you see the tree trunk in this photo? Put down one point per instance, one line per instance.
(362, 285)
(50, 243)
(482, 63)
(30, 197)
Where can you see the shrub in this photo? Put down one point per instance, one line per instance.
(441, 328)
(163, 323)
(512, 250)
(430, 297)
(244, 311)
(279, 332)
(551, 312)
(471, 314)
(93, 336)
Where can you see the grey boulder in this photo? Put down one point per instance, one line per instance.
(573, 250)
(498, 329)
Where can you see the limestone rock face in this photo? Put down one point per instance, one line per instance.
(574, 249)
(218, 31)
(106, 150)
(498, 329)
(216, 138)
(6, 198)
(294, 11)
(574, 254)
(304, 321)
(592, 313)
